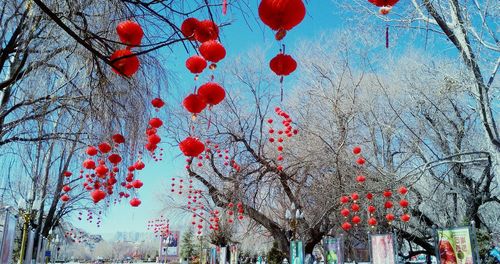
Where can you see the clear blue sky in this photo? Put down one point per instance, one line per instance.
(322, 15)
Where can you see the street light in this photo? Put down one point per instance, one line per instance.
(25, 211)
(293, 217)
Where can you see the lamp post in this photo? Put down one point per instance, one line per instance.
(293, 216)
(25, 211)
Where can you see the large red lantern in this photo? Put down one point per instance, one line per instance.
(191, 147)
(124, 62)
(206, 30)
(385, 5)
(281, 15)
(212, 92)
(118, 138)
(194, 103)
(104, 147)
(155, 122)
(135, 202)
(196, 64)
(89, 164)
(130, 33)
(212, 51)
(188, 27)
(97, 195)
(114, 158)
(91, 151)
(283, 64)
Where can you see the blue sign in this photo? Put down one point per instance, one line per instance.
(47, 253)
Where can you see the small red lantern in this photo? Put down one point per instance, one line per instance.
(67, 174)
(212, 92)
(355, 207)
(388, 204)
(360, 161)
(91, 151)
(89, 164)
(346, 226)
(114, 158)
(403, 190)
(97, 195)
(372, 221)
(385, 5)
(194, 103)
(361, 179)
(139, 165)
(118, 138)
(130, 33)
(212, 51)
(154, 139)
(188, 27)
(155, 122)
(355, 196)
(281, 15)
(405, 218)
(104, 147)
(283, 64)
(389, 217)
(196, 64)
(191, 147)
(124, 62)
(369, 196)
(344, 199)
(371, 209)
(356, 150)
(135, 202)
(356, 220)
(157, 103)
(387, 194)
(137, 184)
(66, 188)
(101, 170)
(206, 30)
(65, 198)
(404, 203)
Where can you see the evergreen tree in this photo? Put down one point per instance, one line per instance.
(188, 247)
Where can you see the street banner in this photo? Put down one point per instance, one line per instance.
(223, 255)
(333, 250)
(169, 247)
(9, 232)
(296, 252)
(213, 255)
(233, 253)
(456, 246)
(383, 249)
(29, 248)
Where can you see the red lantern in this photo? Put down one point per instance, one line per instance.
(101, 170)
(403, 191)
(67, 174)
(154, 139)
(371, 209)
(283, 64)
(385, 5)
(360, 161)
(405, 218)
(122, 65)
(356, 220)
(196, 64)
(135, 202)
(355, 207)
(130, 33)
(356, 150)
(97, 195)
(281, 15)
(66, 188)
(115, 158)
(191, 147)
(206, 30)
(404, 203)
(389, 217)
(355, 196)
(65, 198)
(387, 194)
(388, 204)
(212, 92)
(139, 165)
(346, 226)
(155, 122)
(188, 27)
(369, 196)
(118, 138)
(345, 212)
(89, 164)
(137, 184)
(91, 151)
(344, 199)
(372, 221)
(157, 103)
(104, 147)
(212, 51)
(194, 103)
(361, 179)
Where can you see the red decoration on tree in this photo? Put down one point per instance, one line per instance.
(385, 5)
(97, 195)
(91, 151)
(212, 51)
(155, 122)
(345, 212)
(282, 64)
(405, 218)
(104, 147)
(355, 196)
(114, 158)
(130, 33)
(188, 27)
(134, 202)
(346, 226)
(118, 138)
(65, 198)
(137, 184)
(403, 191)
(404, 203)
(356, 150)
(157, 103)
(281, 15)
(89, 164)
(356, 220)
(194, 103)
(191, 147)
(372, 221)
(124, 62)
(361, 179)
(344, 199)
(388, 204)
(387, 194)
(355, 207)
(389, 217)
(371, 209)
(360, 161)
(67, 174)
(196, 64)
(206, 30)
(66, 188)
(212, 92)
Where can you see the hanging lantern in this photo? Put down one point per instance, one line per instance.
(356, 220)
(124, 62)
(114, 158)
(371, 209)
(194, 103)
(104, 147)
(91, 151)
(281, 15)
(346, 226)
(130, 33)
(344, 212)
(360, 178)
(67, 174)
(403, 190)
(196, 64)
(101, 170)
(385, 5)
(389, 217)
(283, 65)
(212, 51)
(372, 221)
(206, 30)
(137, 184)
(344, 199)
(360, 161)
(405, 218)
(66, 188)
(191, 147)
(404, 203)
(89, 164)
(387, 194)
(356, 150)
(157, 103)
(155, 122)
(65, 198)
(188, 27)
(212, 92)
(388, 204)
(154, 139)
(139, 165)
(97, 195)
(118, 138)
(134, 202)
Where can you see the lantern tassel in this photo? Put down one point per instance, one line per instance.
(281, 88)
(387, 36)
(224, 7)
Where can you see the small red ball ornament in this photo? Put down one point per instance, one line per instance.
(387, 194)
(404, 203)
(212, 51)
(130, 33)
(281, 15)
(212, 92)
(196, 64)
(114, 158)
(191, 147)
(356, 150)
(124, 62)
(89, 164)
(405, 218)
(403, 190)
(345, 212)
(137, 184)
(355, 196)
(355, 207)
(283, 65)
(360, 161)
(360, 178)
(91, 151)
(104, 147)
(194, 103)
(66, 188)
(371, 209)
(344, 199)
(97, 195)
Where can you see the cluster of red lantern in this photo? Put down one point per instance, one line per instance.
(159, 226)
(209, 94)
(352, 205)
(231, 209)
(124, 61)
(279, 136)
(66, 188)
(152, 137)
(385, 5)
(76, 236)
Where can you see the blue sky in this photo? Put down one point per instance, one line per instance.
(322, 15)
